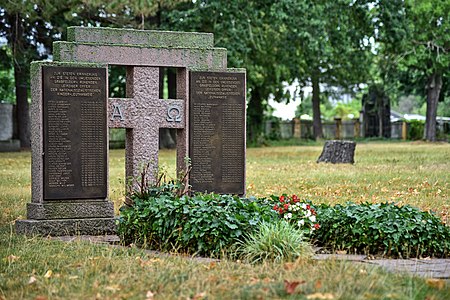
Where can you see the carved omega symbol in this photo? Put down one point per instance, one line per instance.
(173, 114)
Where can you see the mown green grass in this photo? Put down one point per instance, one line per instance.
(413, 173)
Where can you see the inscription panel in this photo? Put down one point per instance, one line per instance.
(217, 132)
(75, 133)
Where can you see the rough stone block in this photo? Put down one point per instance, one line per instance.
(147, 38)
(63, 227)
(140, 56)
(9, 146)
(70, 210)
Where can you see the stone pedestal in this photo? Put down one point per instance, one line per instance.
(69, 152)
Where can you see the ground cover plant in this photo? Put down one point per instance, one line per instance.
(204, 224)
(406, 173)
(382, 229)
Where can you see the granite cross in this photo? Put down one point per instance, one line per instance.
(142, 113)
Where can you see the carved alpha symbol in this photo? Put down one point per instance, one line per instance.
(117, 113)
(173, 114)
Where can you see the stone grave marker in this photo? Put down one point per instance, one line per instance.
(71, 113)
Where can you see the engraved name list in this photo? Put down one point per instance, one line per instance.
(75, 133)
(217, 132)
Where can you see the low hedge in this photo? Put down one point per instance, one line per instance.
(204, 224)
(382, 228)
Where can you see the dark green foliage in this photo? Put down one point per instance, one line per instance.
(204, 224)
(384, 229)
(415, 129)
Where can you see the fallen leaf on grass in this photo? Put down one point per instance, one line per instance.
(436, 283)
(144, 263)
(40, 298)
(48, 274)
(289, 266)
(318, 285)
(32, 280)
(73, 277)
(113, 288)
(210, 266)
(290, 286)
(199, 296)
(12, 258)
(150, 295)
(326, 296)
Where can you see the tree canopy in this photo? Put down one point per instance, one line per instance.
(321, 43)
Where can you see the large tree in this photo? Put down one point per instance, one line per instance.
(30, 27)
(247, 30)
(328, 45)
(415, 44)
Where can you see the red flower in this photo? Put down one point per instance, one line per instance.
(317, 226)
(286, 206)
(282, 198)
(275, 207)
(295, 198)
(313, 211)
(308, 206)
(280, 210)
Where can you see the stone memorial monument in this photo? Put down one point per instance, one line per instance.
(71, 114)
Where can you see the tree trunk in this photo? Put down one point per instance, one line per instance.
(255, 116)
(317, 121)
(338, 152)
(21, 75)
(434, 86)
(23, 114)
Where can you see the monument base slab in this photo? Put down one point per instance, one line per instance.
(10, 146)
(64, 227)
(70, 210)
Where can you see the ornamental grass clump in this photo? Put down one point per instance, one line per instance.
(277, 241)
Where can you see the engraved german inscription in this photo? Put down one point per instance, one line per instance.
(75, 133)
(217, 132)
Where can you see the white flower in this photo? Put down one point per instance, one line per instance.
(301, 222)
(312, 218)
(290, 208)
(288, 216)
(304, 206)
(308, 213)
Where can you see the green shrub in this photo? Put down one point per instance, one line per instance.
(277, 241)
(415, 129)
(384, 229)
(204, 224)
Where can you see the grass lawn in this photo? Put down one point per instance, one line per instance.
(406, 173)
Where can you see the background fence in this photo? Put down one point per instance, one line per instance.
(348, 129)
